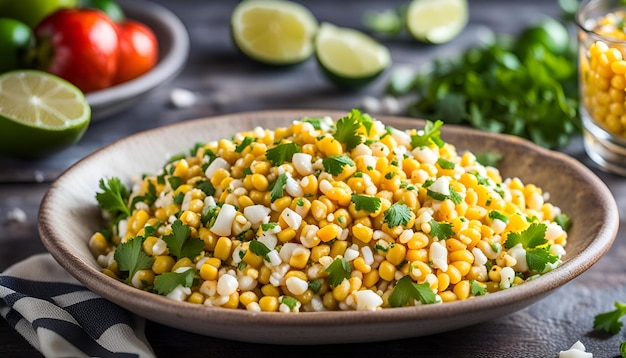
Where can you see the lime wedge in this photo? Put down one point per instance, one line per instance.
(349, 57)
(436, 21)
(40, 114)
(275, 32)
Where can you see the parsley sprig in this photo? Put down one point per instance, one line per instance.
(430, 134)
(347, 128)
(338, 270)
(168, 281)
(282, 153)
(397, 214)
(334, 164)
(610, 322)
(371, 204)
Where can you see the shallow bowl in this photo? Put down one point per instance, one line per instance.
(69, 215)
(173, 42)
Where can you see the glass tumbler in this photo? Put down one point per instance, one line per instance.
(602, 79)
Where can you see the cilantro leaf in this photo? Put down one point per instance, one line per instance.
(365, 202)
(278, 187)
(397, 214)
(206, 187)
(268, 226)
(534, 242)
(477, 289)
(564, 221)
(113, 197)
(291, 302)
(495, 214)
(338, 270)
(334, 164)
(445, 164)
(149, 197)
(175, 182)
(168, 281)
(533, 236)
(314, 121)
(131, 257)
(259, 249)
(537, 259)
(347, 129)
(282, 153)
(244, 143)
(610, 321)
(179, 243)
(431, 134)
(406, 289)
(441, 231)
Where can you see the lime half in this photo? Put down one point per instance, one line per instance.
(276, 32)
(436, 21)
(40, 114)
(349, 57)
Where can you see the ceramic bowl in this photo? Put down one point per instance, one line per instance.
(69, 215)
(173, 42)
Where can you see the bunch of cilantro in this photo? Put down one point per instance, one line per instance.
(525, 85)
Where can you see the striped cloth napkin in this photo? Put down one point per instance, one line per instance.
(61, 318)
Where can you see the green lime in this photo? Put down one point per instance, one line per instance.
(436, 21)
(349, 57)
(31, 12)
(40, 114)
(275, 32)
(15, 40)
(110, 7)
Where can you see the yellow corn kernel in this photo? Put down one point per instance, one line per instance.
(264, 275)
(420, 270)
(517, 223)
(162, 263)
(494, 273)
(300, 258)
(208, 272)
(371, 278)
(182, 262)
(329, 301)
(190, 219)
(270, 290)
(417, 255)
(319, 251)
(98, 243)
(387, 270)
(282, 203)
(181, 168)
(148, 244)
(259, 182)
(223, 248)
(146, 277)
(341, 291)
(247, 297)
(286, 235)
(448, 296)
(260, 167)
(328, 232)
(454, 274)
(338, 248)
(196, 298)
(461, 255)
(443, 281)
(360, 265)
(455, 245)
(362, 232)
(233, 300)
(396, 254)
(329, 146)
(462, 266)
(110, 273)
(462, 290)
(309, 184)
(318, 210)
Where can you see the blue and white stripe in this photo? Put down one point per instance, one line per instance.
(61, 318)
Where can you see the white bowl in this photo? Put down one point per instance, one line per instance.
(173, 42)
(70, 214)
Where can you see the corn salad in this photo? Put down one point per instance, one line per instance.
(603, 74)
(328, 215)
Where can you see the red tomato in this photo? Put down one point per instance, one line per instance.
(79, 45)
(138, 50)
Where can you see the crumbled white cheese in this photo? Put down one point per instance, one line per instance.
(17, 215)
(577, 350)
(182, 98)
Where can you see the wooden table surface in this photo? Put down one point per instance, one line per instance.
(226, 82)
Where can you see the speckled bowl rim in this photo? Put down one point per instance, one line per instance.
(320, 327)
